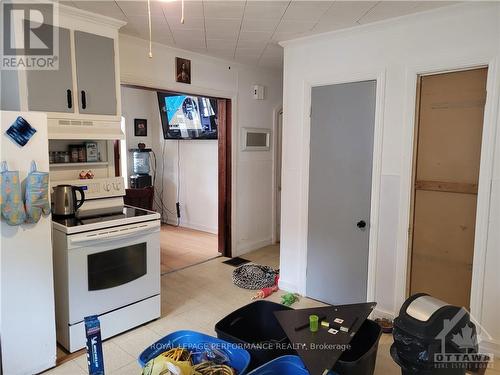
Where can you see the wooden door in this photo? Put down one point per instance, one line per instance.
(448, 150)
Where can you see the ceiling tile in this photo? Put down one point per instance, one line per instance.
(140, 25)
(279, 37)
(264, 24)
(344, 13)
(139, 8)
(389, 9)
(221, 44)
(306, 10)
(255, 35)
(222, 28)
(192, 9)
(251, 44)
(224, 9)
(189, 34)
(224, 24)
(189, 23)
(265, 9)
(294, 26)
(106, 8)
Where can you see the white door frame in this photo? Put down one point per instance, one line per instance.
(485, 178)
(380, 78)
(276, 155)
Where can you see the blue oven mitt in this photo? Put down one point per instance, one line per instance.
(11, 203)
(37, 194)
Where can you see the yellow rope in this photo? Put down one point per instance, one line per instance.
(209, 368)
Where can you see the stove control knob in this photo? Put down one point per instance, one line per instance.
(107, 187)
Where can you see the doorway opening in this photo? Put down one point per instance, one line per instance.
(447, 153)
(191, 178)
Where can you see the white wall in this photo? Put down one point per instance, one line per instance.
(195, 187)
(394, 52)
(252, 172)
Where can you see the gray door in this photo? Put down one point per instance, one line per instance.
(342, 125)
(52, 90)
(95, 71)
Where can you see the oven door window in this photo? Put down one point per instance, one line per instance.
(112, 268)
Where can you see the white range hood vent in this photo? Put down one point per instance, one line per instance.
(84, 129)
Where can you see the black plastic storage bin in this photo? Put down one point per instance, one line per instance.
(361, 357)
(256, 327)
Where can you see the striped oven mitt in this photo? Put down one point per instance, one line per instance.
(11, 203)
(37, 194)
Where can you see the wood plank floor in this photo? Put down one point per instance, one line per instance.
(183, 247)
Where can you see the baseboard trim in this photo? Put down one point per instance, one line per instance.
(250, 246)
(189, 225)
(383, 314)
(287, 286)
(490, 346)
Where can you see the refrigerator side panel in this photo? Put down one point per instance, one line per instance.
(27, 286)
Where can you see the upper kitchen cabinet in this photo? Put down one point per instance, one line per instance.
(82, 96)
(95, 72)
(52, 90)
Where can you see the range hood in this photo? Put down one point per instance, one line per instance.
(84, 129)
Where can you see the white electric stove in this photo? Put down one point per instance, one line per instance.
(106, 263)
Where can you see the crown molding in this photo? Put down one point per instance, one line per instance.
(68, 11)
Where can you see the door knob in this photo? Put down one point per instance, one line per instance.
(361, 224)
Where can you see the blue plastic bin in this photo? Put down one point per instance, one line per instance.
(239, 359)
(285, 365)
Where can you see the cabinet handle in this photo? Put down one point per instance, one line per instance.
(84, 100)
(69, 97)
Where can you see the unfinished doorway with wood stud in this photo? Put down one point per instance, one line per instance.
(447, 154)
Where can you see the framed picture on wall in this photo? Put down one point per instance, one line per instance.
(140, 127)
(182, 70)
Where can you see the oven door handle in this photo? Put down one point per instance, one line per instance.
(114, 234)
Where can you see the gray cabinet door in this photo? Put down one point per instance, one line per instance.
(9, 94)
(95, 70)
(340, 169)
(48, 89)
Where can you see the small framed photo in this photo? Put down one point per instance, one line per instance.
(182, 70)
(140, 127)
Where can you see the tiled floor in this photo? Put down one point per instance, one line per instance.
(183, 247)
(196, 298)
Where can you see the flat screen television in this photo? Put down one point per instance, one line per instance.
(188, 116)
